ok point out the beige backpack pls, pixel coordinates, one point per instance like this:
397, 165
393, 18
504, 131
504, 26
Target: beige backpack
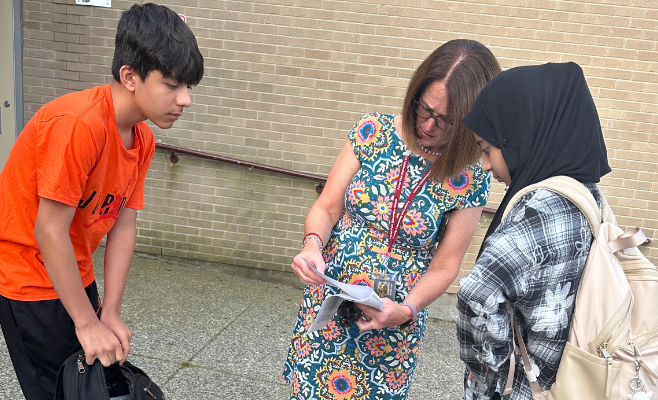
612, 351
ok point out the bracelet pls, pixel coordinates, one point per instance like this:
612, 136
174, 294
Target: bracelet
414, 313
314, 236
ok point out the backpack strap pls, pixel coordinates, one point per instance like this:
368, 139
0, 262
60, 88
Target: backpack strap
631, 238
512, 356
527, 364
579, 195
608, 215
573, 190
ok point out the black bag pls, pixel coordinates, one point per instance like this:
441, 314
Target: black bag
78, 381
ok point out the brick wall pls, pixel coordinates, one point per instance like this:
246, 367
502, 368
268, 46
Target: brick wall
286, 79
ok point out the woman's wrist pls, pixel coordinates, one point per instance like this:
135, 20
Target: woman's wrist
414, 313
311, 236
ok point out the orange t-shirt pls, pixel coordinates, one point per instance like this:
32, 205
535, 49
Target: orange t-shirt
70, 152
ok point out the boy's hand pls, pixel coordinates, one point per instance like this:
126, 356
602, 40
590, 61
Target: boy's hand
99, 342
121, 331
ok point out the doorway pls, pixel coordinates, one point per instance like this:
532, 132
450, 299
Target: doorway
11, 75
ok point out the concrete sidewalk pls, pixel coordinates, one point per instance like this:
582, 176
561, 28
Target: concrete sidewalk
201, 331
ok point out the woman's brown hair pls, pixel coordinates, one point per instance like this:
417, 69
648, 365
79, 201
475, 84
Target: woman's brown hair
465, 67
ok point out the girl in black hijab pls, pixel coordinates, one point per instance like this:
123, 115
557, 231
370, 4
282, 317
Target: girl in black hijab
532, 123
544, 121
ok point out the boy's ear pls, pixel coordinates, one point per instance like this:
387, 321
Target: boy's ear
128, 77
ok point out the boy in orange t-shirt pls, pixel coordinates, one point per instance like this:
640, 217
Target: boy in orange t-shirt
75, 174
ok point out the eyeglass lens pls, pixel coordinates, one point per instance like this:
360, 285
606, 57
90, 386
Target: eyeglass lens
427, 114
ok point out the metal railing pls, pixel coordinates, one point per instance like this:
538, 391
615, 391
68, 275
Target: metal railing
320, 179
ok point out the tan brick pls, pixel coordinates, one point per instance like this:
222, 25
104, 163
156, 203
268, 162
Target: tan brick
31, 5
38, 16
633, 12
53, 27
626, 33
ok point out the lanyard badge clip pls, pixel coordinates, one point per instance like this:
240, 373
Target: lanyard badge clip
384, 285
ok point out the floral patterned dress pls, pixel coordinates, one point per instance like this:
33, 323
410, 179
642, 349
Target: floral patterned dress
343, 363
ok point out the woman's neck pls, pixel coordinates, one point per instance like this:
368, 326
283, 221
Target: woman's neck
397, 122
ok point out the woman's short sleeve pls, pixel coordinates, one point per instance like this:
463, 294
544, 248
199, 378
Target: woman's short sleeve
470, 188
366, 135
480, 188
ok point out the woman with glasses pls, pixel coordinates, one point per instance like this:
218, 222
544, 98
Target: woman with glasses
376, 223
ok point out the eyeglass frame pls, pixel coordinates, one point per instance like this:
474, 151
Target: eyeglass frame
435, 117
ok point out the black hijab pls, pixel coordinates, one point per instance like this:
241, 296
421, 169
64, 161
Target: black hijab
544, 120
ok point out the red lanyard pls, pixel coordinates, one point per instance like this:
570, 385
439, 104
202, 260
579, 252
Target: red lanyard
396, 218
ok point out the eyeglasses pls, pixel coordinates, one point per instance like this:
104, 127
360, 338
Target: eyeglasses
426, 113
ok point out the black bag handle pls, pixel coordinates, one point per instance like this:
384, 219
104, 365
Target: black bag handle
78, 381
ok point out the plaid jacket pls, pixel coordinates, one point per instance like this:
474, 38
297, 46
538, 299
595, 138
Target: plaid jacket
535, 260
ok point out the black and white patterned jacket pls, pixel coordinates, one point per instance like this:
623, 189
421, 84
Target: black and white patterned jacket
535, 260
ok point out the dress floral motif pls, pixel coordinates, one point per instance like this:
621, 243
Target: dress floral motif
343, 363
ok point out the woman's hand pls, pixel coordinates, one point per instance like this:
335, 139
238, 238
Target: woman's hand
314, 256
392, 314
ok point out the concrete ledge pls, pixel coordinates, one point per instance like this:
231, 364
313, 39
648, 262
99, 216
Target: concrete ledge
266, 275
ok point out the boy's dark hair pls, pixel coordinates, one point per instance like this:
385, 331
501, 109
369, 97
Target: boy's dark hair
152, 37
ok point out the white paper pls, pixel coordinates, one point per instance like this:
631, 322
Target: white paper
327, 311
357, 293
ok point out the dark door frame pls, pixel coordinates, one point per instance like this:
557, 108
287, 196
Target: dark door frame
17, 22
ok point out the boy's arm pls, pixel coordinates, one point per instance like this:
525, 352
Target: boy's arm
52, 233
119, 249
